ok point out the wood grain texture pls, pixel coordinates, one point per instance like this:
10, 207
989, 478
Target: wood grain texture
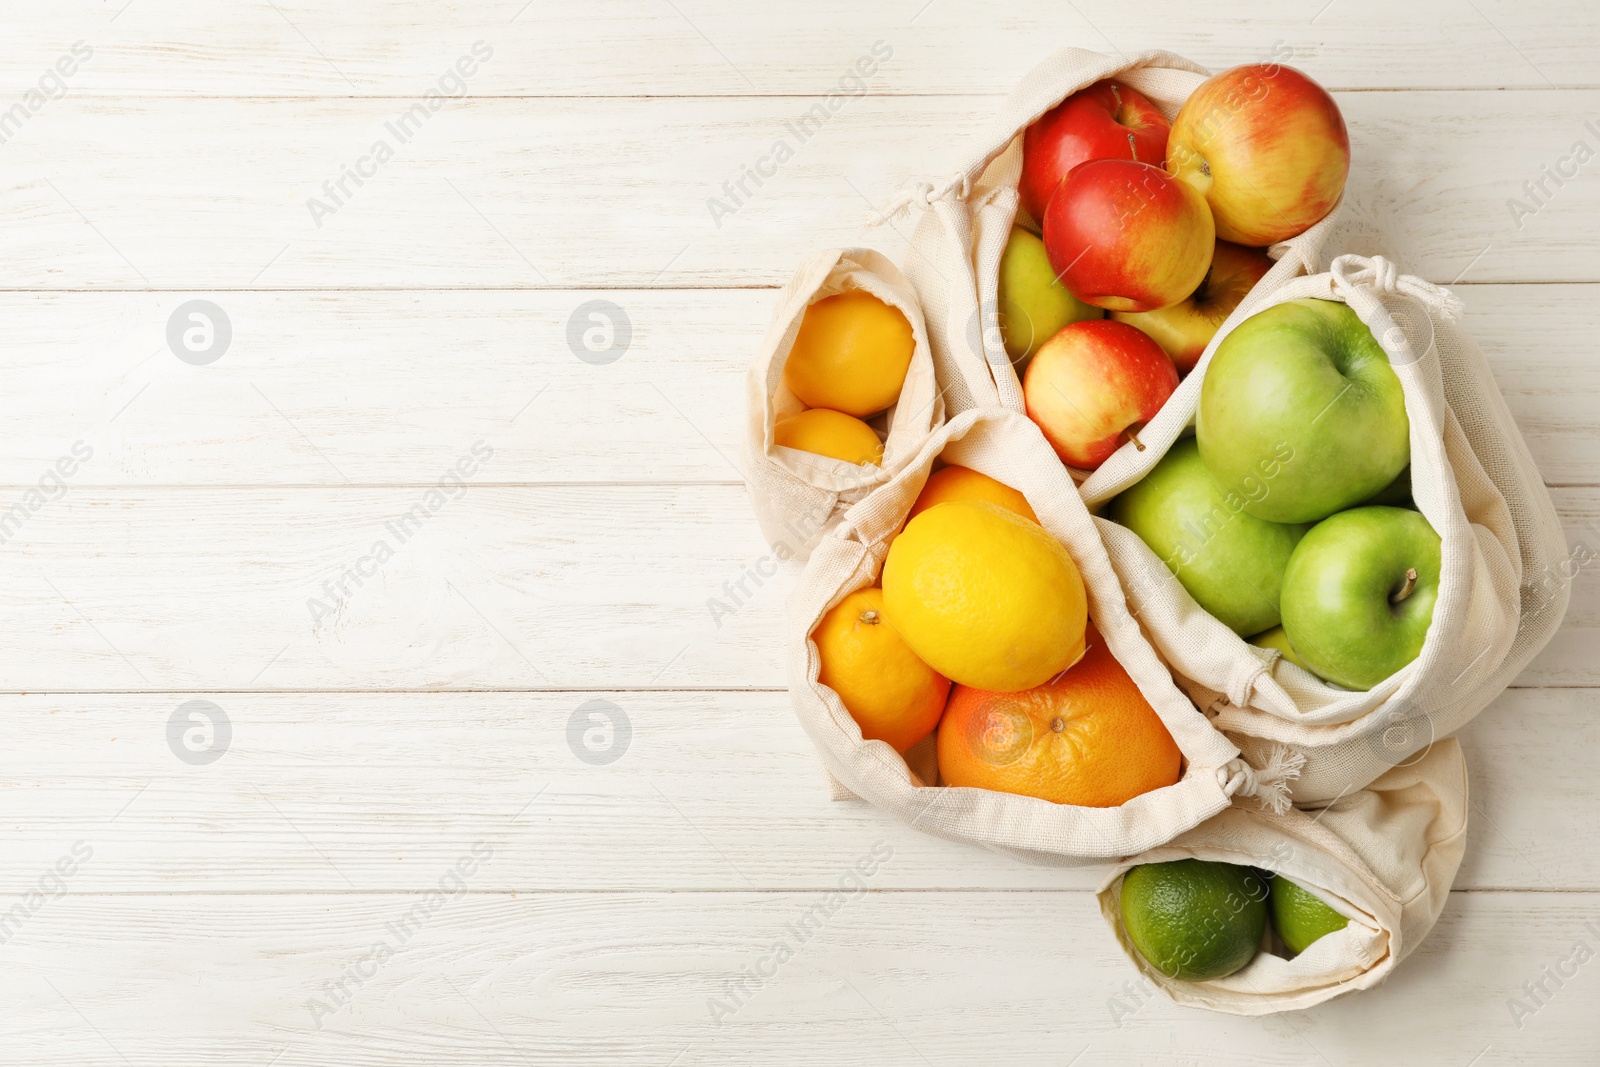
641, 47
562, 587
704, 791
572, 587
889, 979
603, 193
377, 344
385, 387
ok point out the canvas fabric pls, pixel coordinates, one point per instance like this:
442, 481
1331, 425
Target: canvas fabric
1383, 857
798, 495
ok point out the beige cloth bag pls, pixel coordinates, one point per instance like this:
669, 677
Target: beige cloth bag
1008, 447
956, 248
798, 495
1474, 481
1383, 856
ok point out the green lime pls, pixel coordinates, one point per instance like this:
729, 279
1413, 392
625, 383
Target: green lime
1299, 917
1192, 919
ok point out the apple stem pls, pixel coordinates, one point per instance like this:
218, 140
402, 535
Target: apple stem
1131, 436
870, 616
1406, 590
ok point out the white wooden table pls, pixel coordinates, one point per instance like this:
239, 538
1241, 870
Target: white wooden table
404, 848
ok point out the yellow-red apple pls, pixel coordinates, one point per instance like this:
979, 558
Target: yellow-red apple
1126, 236
1268, 148
1093, 385
1184, 329
1107, 120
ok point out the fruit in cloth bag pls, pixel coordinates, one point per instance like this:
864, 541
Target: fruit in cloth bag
985, 597
1351, 890
1127, 237
1033, 304
1231, 562
1088, 737
1106, 120
1195, 920
830, 433
1300, 916
1267, 147
851, 354
1301, 414
892, 694
1359, 594
1184, 329
1093, 386
956, 482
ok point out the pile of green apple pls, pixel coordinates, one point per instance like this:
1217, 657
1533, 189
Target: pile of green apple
1287, 515
1137, 237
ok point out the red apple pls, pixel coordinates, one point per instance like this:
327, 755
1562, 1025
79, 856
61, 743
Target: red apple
1126, 236
1093, 385
1184, 329
1107, 120
1268, 148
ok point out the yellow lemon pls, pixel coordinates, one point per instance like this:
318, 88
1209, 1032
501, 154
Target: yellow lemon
985, 597
851, 354
964, 483
892, 694
829, 433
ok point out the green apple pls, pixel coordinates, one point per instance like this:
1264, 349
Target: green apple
1397, 494
1359, 592
1301, 414
1231, 562
1033, 304
1276, 638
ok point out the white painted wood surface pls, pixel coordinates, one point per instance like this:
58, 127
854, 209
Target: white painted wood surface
576, 193
427, 711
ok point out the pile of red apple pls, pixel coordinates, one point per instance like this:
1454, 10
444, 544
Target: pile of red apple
1163, 226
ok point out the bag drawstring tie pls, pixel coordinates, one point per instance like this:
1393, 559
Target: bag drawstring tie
1270, 784
921, 195
1356, 277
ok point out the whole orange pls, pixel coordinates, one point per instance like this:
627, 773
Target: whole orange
829, 433
963, 483
892, 695
851, 354
1087, 738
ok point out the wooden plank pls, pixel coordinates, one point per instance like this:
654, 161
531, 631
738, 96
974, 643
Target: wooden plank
380, 387
571, 587
481, 586
684, 791
885, 979
591, 193
692, 46
385, 387
1569, 659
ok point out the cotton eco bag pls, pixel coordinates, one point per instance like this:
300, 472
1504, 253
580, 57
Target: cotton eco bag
1008, 447
1383, 857
799, 495
956, 247
1471, 477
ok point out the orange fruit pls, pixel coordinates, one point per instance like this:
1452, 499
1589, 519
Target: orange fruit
984, 596
964, 483
892, 695
851, 354
1087, 738
830, 433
